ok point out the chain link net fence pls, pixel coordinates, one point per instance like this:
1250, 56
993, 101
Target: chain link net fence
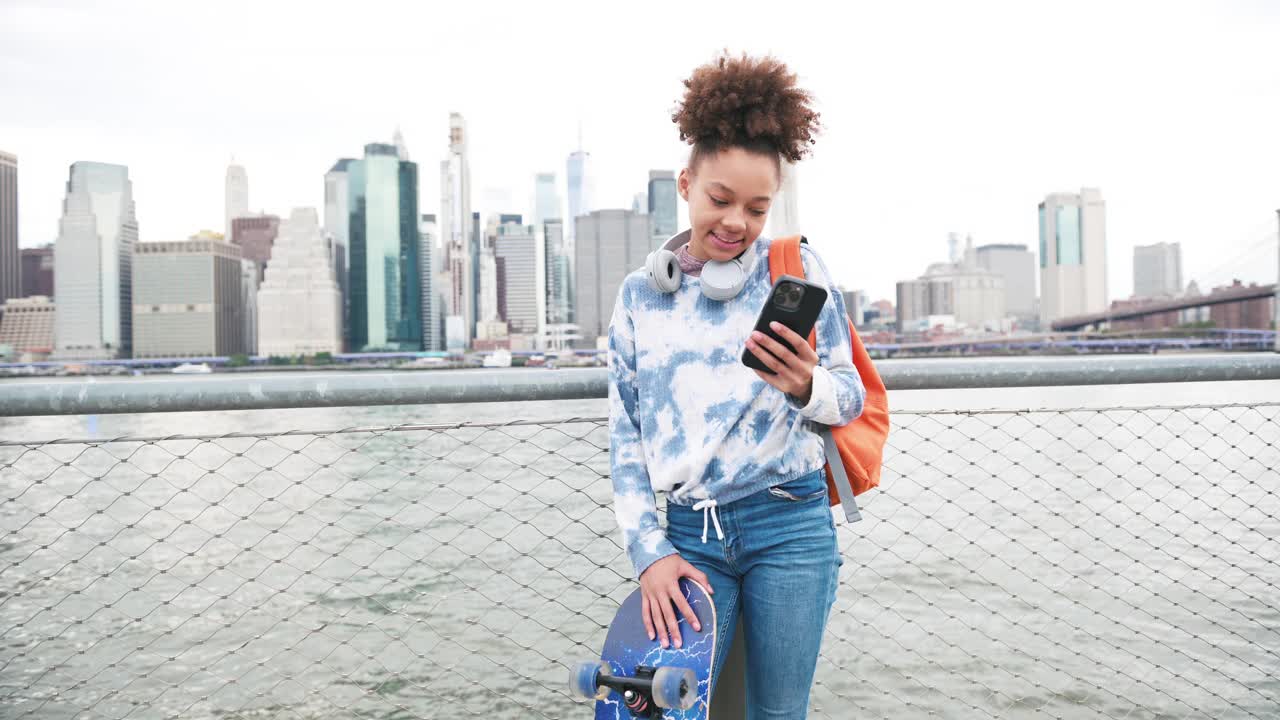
1114, 563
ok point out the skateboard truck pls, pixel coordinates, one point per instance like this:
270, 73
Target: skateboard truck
637, 692
644, 694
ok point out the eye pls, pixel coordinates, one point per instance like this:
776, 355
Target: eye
757, 213
717, 201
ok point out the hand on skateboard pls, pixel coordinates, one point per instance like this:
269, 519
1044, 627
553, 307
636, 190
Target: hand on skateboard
661, 598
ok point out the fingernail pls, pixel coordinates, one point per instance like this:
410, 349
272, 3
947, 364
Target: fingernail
650, 636
697, 627
775, 325
678, 643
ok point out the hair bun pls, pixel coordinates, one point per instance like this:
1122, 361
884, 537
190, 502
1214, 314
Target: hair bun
747, 102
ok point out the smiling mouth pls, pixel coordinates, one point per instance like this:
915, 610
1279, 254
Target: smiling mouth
722, 239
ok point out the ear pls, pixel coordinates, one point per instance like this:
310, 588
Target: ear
682, 183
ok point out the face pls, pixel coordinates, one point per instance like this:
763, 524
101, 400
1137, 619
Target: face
729, 194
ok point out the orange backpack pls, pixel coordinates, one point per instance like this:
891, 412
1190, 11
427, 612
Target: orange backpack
854, 451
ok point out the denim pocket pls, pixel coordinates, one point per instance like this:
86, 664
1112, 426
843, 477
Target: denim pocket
803, 489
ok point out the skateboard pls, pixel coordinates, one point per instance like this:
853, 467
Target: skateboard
636, 677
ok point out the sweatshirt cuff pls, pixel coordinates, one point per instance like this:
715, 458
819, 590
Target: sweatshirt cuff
648, 549
821, 407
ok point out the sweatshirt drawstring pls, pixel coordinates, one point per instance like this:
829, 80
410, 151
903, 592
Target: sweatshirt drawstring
708, 507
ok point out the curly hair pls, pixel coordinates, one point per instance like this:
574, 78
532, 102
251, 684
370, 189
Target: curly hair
749, 103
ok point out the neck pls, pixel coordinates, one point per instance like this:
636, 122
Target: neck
696, 250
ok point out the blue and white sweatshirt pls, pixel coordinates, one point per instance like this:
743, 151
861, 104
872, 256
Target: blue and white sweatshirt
684, 411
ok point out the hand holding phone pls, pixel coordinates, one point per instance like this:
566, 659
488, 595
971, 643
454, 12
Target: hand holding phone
778, 349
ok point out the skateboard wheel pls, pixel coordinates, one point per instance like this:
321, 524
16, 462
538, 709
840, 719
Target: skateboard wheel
585, 680
675, 687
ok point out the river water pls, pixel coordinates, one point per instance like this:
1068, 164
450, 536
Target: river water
1031, 553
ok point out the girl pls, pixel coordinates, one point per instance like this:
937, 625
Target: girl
731, 445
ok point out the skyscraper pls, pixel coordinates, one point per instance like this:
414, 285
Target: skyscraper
611, 243
255, 234
581, 186
515, 252
299, 305
427, 270
37, 271
475, 251
1073, 255
402, 150
662, 202
187, 298
250, 279
1157, 270
458, 233
236, 196
580, 183
386, 290
10, 272
546, 199
487, 275
559, 282
94, 257
1017, 265
487, 309
337, 215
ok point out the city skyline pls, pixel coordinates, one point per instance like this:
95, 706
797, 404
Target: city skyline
938, 143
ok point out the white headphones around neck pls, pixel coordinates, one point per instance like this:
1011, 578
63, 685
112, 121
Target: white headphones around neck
719, 280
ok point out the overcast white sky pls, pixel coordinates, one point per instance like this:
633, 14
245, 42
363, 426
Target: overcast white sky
940, 116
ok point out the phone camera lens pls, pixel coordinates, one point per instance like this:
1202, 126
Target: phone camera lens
788, 295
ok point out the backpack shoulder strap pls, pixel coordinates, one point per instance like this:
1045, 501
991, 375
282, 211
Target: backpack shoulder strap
785, 259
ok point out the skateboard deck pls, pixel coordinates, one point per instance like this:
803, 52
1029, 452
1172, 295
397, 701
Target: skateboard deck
629, 652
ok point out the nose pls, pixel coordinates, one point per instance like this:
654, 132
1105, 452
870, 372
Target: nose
734, 221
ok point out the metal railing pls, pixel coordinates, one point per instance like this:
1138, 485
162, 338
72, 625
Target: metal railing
1115, 562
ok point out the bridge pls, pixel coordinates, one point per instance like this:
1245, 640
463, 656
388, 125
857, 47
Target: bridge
1080, 343
1219, 297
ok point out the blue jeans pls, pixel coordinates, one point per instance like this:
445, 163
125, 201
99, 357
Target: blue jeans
778, 564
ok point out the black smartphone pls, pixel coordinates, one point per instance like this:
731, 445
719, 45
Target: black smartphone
794, 302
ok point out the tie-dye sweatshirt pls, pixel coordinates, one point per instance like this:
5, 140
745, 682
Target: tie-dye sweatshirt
684, 411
